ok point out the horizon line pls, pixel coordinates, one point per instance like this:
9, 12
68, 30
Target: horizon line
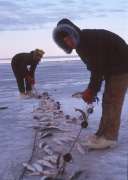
49, 57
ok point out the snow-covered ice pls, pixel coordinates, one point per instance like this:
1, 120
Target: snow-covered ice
60, 80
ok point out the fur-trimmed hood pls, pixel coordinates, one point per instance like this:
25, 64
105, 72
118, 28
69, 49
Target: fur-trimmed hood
66, 27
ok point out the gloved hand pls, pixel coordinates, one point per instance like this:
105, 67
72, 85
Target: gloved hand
88, 96
30, 79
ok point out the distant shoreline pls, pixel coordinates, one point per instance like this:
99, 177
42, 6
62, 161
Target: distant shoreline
47, 58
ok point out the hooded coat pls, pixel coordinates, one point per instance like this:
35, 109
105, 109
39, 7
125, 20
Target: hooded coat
104, 53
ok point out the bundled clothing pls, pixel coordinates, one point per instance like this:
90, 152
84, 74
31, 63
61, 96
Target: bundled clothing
23, 65
106, 57
104, 53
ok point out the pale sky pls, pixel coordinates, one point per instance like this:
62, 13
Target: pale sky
28, 24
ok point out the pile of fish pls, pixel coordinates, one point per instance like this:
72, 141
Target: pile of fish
56, 133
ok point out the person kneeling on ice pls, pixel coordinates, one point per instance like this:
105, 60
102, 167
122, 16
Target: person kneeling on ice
106, 57
23, 66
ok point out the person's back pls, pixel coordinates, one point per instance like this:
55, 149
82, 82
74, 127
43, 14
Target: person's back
23, 59
110, 52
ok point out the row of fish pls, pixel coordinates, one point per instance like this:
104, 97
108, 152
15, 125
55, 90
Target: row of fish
56, 133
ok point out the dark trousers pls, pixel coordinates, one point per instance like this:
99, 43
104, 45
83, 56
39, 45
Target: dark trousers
23, 84
113, 98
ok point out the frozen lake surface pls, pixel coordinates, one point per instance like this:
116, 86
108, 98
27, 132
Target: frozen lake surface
61, 80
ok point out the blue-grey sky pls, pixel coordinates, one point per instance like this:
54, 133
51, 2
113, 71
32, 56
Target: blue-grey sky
28, 24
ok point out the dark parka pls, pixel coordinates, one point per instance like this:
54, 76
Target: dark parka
104, 53
20, 63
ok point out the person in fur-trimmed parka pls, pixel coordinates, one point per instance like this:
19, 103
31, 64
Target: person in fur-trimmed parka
106, 57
